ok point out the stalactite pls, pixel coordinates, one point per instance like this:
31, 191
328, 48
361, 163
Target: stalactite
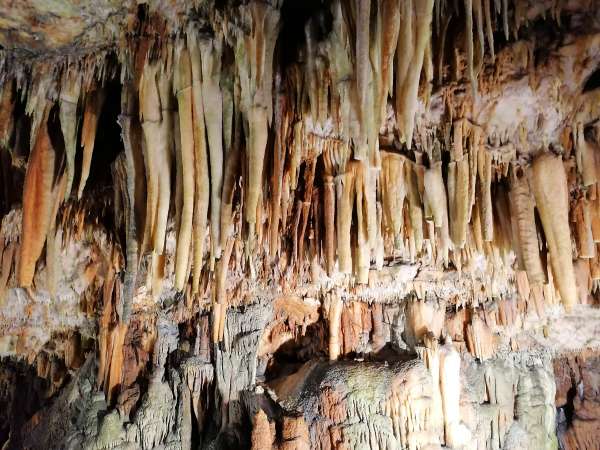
414, 205
58, 192
304, 169
93, 105
585, 156
69, 97
131, 135
469, 44
522, 211
344, 201
458, 193
393, 192
309, 175
219, 293
404, 55
477, 10
7, 104
407, 91
329, 209
157, 122
363, 14
8, 255
487, 9
150, 116
201, 161
157, 274
232, 165
480, 340
280, 125
256, 94
362, 255
391, 19
164, 159
552, 200
36, 101
505, 18
586, 247
211, 52
183, 88
37, 202
436, 203
484, 171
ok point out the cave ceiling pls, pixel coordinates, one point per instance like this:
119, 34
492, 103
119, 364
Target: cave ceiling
289, 224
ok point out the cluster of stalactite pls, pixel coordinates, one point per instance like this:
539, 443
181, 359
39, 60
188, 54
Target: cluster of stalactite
279, 172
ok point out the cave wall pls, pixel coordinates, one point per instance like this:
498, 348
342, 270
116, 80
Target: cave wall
277, 224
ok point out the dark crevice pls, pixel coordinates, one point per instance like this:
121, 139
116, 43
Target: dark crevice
107, 144
592, 82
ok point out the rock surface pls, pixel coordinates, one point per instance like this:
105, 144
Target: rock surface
288, 225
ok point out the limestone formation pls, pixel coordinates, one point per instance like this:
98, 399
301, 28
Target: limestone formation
282, 224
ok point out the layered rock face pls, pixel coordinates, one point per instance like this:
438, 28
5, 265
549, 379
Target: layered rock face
274, 224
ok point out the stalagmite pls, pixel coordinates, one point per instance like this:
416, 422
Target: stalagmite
552, 200
456, 434
93, 105
334, 316
431, 358
263, 432
295, 434
69, 97
37, 202
183, 87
